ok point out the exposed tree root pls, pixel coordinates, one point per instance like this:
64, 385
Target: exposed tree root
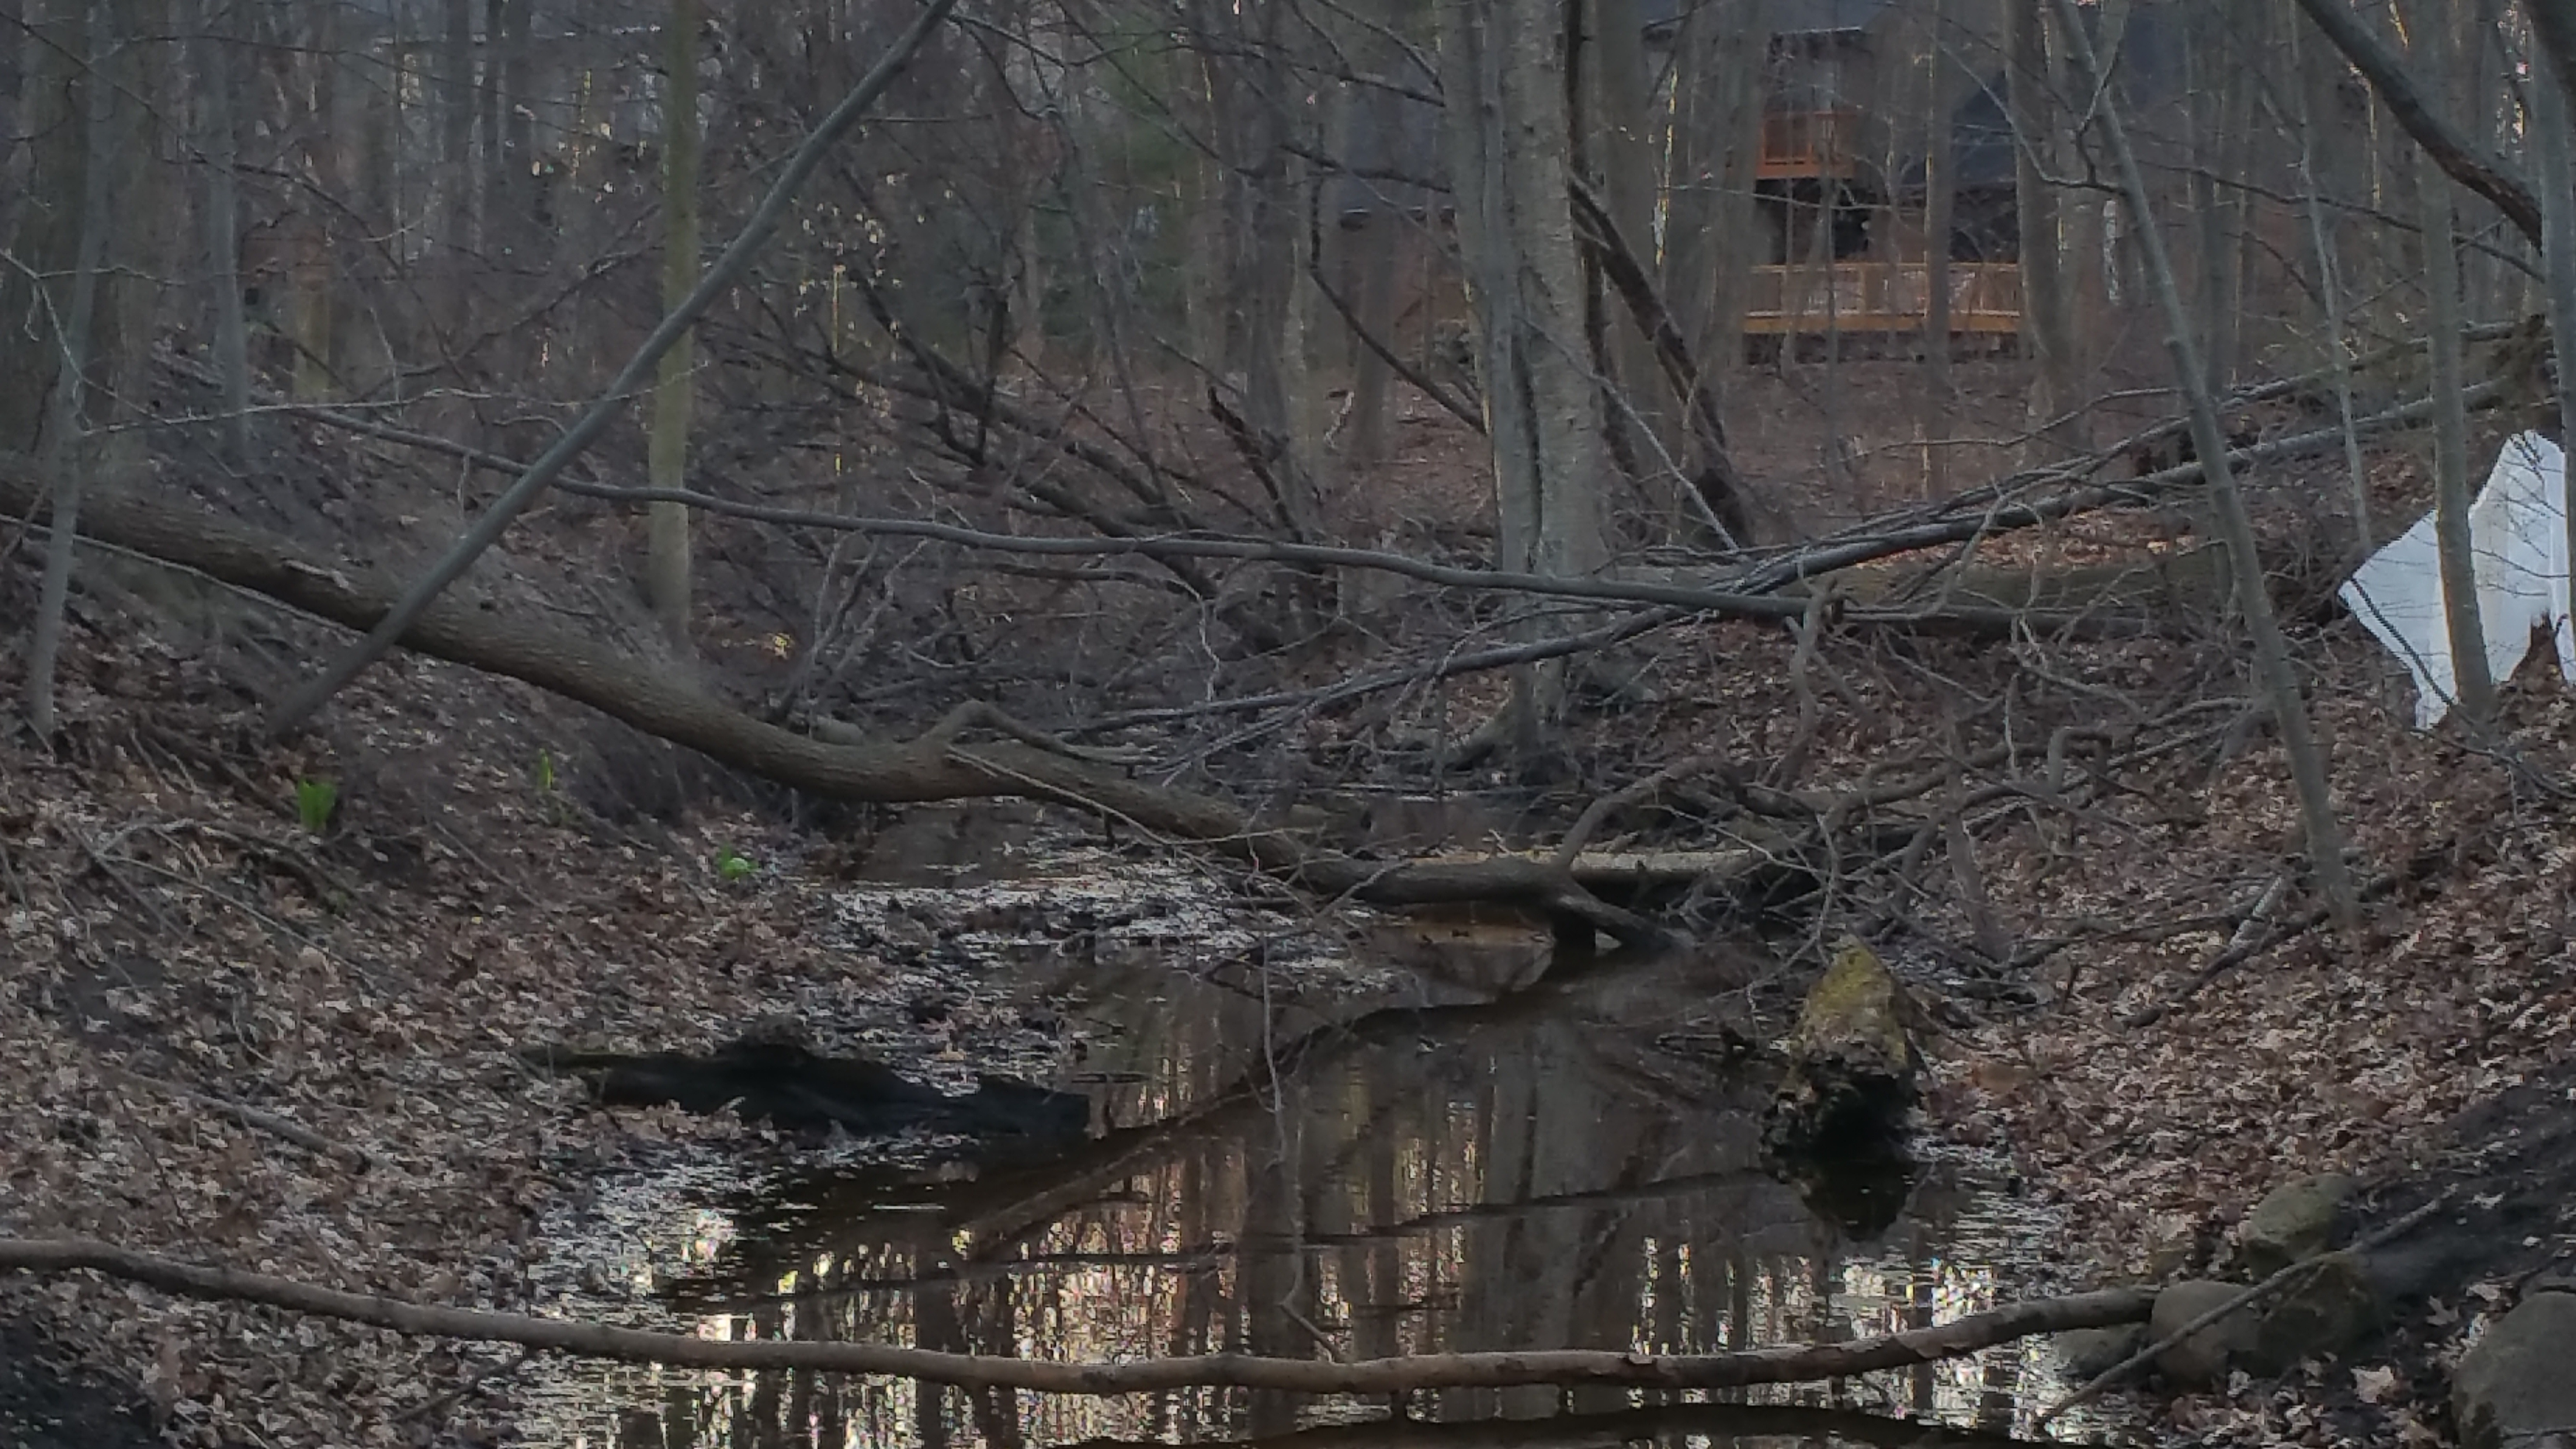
1784, 1363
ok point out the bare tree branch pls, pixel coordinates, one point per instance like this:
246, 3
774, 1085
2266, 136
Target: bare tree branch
1784, 1363
2452, 149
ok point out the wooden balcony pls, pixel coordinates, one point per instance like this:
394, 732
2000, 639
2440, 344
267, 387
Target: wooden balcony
1985, 297
1808, 143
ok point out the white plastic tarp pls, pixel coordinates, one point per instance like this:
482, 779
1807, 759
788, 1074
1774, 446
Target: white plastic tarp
2518, 536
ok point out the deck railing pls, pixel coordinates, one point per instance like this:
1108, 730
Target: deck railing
1985, 297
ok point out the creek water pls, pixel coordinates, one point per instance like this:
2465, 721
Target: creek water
1402, 1139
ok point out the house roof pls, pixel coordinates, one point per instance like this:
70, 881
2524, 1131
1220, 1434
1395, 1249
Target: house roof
2145, 70
1823, 17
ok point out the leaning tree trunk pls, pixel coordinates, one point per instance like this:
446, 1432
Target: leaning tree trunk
1503, 81
216, 89
2278, 678
666, 570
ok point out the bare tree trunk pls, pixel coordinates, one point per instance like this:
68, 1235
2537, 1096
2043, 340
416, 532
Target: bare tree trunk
369, 357
1503, 80
1716, 135
1938, 202
1616, 157
2279, 680
2553, 24
1709, 248
2451, 489
1206, 202
666, 570
2552, 148
1372, 249
1251, 85
315, 273
47, 239
452, 198
514, 239
2218, 143
68, 329
215, 84
2047, 328
2330, 293
1373, 243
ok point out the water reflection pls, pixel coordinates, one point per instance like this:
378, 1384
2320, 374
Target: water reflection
1413, 1173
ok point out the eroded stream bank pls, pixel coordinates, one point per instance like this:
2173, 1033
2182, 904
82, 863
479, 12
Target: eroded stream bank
1346, 1139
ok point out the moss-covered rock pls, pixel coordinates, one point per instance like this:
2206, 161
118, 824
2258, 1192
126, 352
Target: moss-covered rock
1854, 1071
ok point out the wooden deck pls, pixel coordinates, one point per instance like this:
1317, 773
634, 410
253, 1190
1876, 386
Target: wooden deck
1808, 143
1985, 297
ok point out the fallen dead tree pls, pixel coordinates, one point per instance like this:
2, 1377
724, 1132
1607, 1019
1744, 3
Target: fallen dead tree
943, 763
1784, 1363
2060, 492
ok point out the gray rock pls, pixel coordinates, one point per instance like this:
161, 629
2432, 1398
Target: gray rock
2555, 1280
2334, 1306
2513, 1386
2093, 1351
2202, 1360
2296, 1220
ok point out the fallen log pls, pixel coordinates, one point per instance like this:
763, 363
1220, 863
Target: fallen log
937, 765
1657, 1424
1784, 1363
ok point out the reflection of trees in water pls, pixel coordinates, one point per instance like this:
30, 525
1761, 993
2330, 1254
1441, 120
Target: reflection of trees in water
1527, 1172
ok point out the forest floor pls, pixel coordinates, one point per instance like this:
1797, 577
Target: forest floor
174, 931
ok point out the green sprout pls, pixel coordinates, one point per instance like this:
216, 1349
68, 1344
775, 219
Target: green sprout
315, 800
732, 865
